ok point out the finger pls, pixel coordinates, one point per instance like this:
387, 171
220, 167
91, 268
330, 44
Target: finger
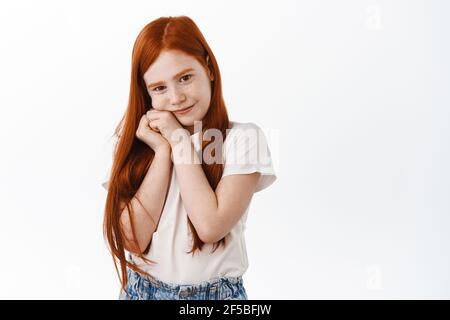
153, 125
152, 115
143, 121
144, 118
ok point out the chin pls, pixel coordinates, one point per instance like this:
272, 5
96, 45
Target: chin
185, 122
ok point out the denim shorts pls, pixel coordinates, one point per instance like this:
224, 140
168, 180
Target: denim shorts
142, 287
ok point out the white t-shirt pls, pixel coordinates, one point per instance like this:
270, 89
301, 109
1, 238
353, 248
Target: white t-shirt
245, 150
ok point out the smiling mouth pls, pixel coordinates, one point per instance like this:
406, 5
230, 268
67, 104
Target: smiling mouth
185, 110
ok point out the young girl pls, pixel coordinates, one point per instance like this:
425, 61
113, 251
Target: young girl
183, 175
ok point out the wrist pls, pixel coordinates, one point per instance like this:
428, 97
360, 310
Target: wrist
163, 151
179, 136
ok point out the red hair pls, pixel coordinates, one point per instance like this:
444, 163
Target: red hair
132, 158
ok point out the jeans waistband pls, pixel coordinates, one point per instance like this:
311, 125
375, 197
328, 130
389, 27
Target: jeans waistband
204, 285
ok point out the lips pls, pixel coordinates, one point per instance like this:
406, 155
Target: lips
186, 110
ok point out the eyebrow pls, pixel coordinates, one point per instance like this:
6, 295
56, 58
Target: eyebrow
174, 77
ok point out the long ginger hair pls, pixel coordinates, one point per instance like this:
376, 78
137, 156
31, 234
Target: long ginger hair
132, 158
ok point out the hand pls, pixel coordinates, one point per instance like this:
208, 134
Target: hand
166, 123
150, 137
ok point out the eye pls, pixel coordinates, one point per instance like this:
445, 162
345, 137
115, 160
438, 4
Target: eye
157, 88
187, 75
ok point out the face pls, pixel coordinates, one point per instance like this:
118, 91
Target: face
176, 81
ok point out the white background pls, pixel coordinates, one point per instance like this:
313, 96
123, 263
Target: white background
357, 91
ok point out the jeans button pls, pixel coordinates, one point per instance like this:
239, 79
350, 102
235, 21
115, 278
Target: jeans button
183, 293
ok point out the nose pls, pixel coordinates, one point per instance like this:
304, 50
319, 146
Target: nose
176, 97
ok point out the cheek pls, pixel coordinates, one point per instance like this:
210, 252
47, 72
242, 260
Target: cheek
202, 109
157, 103
157, 106
198, 89
205, 91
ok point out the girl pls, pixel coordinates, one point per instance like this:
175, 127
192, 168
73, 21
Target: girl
178, 200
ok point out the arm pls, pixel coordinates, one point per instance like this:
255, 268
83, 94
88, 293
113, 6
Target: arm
213, 214
151, 195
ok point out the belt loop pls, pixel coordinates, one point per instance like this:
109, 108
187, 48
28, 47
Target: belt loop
213, 290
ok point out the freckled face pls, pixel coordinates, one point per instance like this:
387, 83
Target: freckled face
176, 81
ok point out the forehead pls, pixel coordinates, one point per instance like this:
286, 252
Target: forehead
168, 64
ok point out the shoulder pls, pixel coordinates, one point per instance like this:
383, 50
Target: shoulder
244, 139
247, 151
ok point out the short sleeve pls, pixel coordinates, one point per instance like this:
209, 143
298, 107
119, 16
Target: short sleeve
246, 151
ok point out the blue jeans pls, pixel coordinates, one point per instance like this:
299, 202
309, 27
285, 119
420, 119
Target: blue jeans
140, 287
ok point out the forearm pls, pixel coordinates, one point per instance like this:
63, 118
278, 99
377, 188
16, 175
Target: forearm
199, 199
148, 201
